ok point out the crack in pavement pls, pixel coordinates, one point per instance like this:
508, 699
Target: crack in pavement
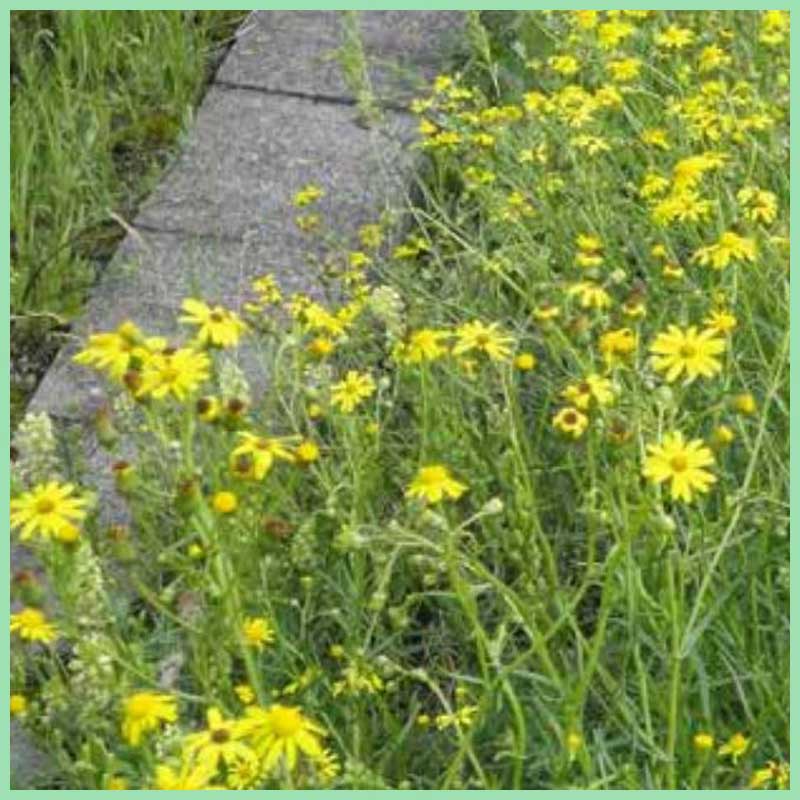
332, 99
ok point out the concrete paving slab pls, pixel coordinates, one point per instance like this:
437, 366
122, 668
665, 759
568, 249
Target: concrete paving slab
250, 152
294, 51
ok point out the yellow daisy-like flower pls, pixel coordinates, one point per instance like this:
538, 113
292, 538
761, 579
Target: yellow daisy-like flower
307, 452
525, 362
488, 339
571, 421
677, 351
309, 194
624, 69
615, 345
735, 747
224, 502
32, 625
674, 38
546, 312
217, 326
721, 321
564, 65
434, 483
774, 774
592, 388
352, 391
188, 777
759, 204
282, 733
730, 247
258, 454
245, 693
48, 510
117, 351
702, 741
681, 463
218, 744
590, 294
146, 711
257, 632
422, 345
174, 372
17, 705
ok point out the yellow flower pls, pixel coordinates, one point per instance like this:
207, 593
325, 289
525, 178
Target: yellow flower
735, 747
488, 339
461, 718
525, 362
208, 408
258, 454
703, 741
674, 38
616, 344
434, 483
730, 247
653, 184
564, 65
307, 195
610, 34
320, 347
266, 287
218, 744
176, 372
655, 137
422, 345
546, 312
760, 205
225, 502
677, 351
189, 777
119, 350
244, 774
681, 463
32, 626
116, 783
712, 57
17, 705
592, 388
591, 295
672, 272
722, 436
773, 774
217, 326
721, 321
307, 452
350, 392
281, 733
145, 711
571, 421
624, 69
683, 206
245, 693
745, 404
48, 510
584, 18
573, 743
257, 632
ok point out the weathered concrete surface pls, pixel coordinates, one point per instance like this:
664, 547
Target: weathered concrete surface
278, 116
294, 51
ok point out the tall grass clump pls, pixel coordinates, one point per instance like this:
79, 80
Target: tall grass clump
512, 510
98, 101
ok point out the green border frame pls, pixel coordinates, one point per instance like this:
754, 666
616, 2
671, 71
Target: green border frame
363, 5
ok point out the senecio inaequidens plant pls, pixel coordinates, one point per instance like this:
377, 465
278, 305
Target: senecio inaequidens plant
511, 510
